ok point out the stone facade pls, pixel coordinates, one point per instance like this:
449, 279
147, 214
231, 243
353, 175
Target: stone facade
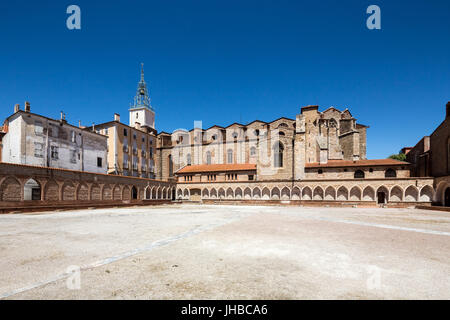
280, 148
33, 139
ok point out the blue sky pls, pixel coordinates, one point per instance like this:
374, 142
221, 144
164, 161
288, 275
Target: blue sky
232, 61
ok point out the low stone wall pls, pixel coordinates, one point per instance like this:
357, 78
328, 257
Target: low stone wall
387, 191
23, 186
39, 206
313, 203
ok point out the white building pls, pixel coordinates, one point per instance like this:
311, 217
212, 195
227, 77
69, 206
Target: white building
33, 139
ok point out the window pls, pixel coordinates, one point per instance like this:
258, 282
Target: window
189, 159
38, 128
208, 157
54, 129
143, 139
72, 136
38, 150
390, 173
359, 174
54, 152
320, 171
253, 151
134, 136
371, 170
99, 162
250, 177
214, 137
281, 133
278, 155
73, 156
151, 152
125, 132
230, 156
234, 135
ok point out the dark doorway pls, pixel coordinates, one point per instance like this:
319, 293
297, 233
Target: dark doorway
134, 193
447, 197
381, 198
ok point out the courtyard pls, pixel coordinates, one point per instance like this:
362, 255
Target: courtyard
189, 251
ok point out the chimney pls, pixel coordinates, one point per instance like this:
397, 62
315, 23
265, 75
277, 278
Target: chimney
27, 106
79, 123
117, 117
93, 126
16, 107
62, 116
448, 110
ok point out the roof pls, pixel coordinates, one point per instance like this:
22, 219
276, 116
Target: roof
55, 120
217, 168
358, 163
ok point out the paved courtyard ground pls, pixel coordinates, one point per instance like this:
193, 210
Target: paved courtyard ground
226, 252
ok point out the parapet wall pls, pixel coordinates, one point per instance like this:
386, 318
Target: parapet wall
31, 186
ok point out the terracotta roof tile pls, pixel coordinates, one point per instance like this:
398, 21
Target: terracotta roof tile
217, 168
357, 163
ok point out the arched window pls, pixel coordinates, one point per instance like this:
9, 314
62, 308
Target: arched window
390, 173
333, 123
189, 160
253, 151
281, 133
208, 157
230, 156
170, 166
359, 174
283, 125
278, 155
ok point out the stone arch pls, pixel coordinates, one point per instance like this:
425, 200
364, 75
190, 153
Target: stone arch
51, 191
275, 194
147, 193
68, 191
186, 194
117, 193
134, 193
296, 193
95, 193
396, 194
247, 193
265, 194
318, 193
306, 193
82, 192
126, 193
368, 194
330, 193
32, 190
342, 194
285, 193
380, 197
107, 192
230, 193
213, 193
411, 194
439, 195
179, 194
205, 193
426, 193
159, 193
355, 194
221, 193
238, 193
256, 194
11, 190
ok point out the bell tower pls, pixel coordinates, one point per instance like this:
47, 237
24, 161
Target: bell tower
141, 111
